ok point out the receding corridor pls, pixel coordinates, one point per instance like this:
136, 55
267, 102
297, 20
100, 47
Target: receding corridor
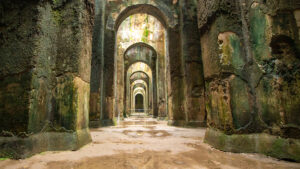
149, 84
145, 143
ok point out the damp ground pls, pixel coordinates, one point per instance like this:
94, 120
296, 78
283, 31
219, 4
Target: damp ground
145, 143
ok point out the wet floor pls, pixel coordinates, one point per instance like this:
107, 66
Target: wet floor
144, 143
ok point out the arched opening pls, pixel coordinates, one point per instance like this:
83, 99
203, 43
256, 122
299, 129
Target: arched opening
140, 27
141, 55
139, 103
144, 9
139, 78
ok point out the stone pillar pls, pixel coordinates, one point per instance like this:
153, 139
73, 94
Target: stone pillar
49, 80
178, 117
192, 65
109, 70
97, 96
161, 82
154, 105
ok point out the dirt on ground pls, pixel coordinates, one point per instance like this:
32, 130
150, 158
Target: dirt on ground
147, 146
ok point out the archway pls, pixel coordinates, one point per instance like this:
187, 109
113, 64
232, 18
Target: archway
139, 76
139, 103
138, 42
168, 45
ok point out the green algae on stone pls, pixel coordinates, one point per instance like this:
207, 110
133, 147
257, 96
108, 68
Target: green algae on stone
258, 33
273, 146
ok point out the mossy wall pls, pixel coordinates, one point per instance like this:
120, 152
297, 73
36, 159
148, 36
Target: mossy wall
276, 54
46, 70
265, 71
250, 52
18, 36
227, 92
64, 55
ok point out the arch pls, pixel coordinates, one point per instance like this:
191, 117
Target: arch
147, 86
138, 72
139, 75
138, 81
139, 91
139, 85
167, 18
140, 44
157, 9
133, 71
140, 62
139, 101
140, 52
142, 85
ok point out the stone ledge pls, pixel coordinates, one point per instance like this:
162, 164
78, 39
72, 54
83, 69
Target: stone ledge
15, 147
274, 146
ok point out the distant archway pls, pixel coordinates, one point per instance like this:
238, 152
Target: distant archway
139, 103
161, 73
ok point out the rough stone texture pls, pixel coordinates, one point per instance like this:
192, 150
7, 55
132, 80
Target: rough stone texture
209, 10
227, 93
108, 78
287, 149
17, 45
278, 89
177, 114
50, 89
192, 65
251, 65
97, 65
231, 63
16, 147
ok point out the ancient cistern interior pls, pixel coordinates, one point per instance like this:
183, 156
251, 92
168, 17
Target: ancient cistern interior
150, 84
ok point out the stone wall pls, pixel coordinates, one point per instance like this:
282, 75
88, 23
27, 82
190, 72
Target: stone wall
250, 57
46, 70
18, 39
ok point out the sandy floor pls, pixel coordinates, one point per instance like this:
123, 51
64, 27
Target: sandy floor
147, 145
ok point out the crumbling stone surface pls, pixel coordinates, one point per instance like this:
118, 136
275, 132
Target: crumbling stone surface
231, 64
209, 10
45, 74
17, 45
252, 77
287, 149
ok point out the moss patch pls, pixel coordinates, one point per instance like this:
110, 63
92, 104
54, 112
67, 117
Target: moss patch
273, 146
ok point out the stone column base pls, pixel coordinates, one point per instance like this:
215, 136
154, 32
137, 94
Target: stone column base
274, 146
101, 123
162, 118
196, 124
178, 123
183, 123
16, 147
